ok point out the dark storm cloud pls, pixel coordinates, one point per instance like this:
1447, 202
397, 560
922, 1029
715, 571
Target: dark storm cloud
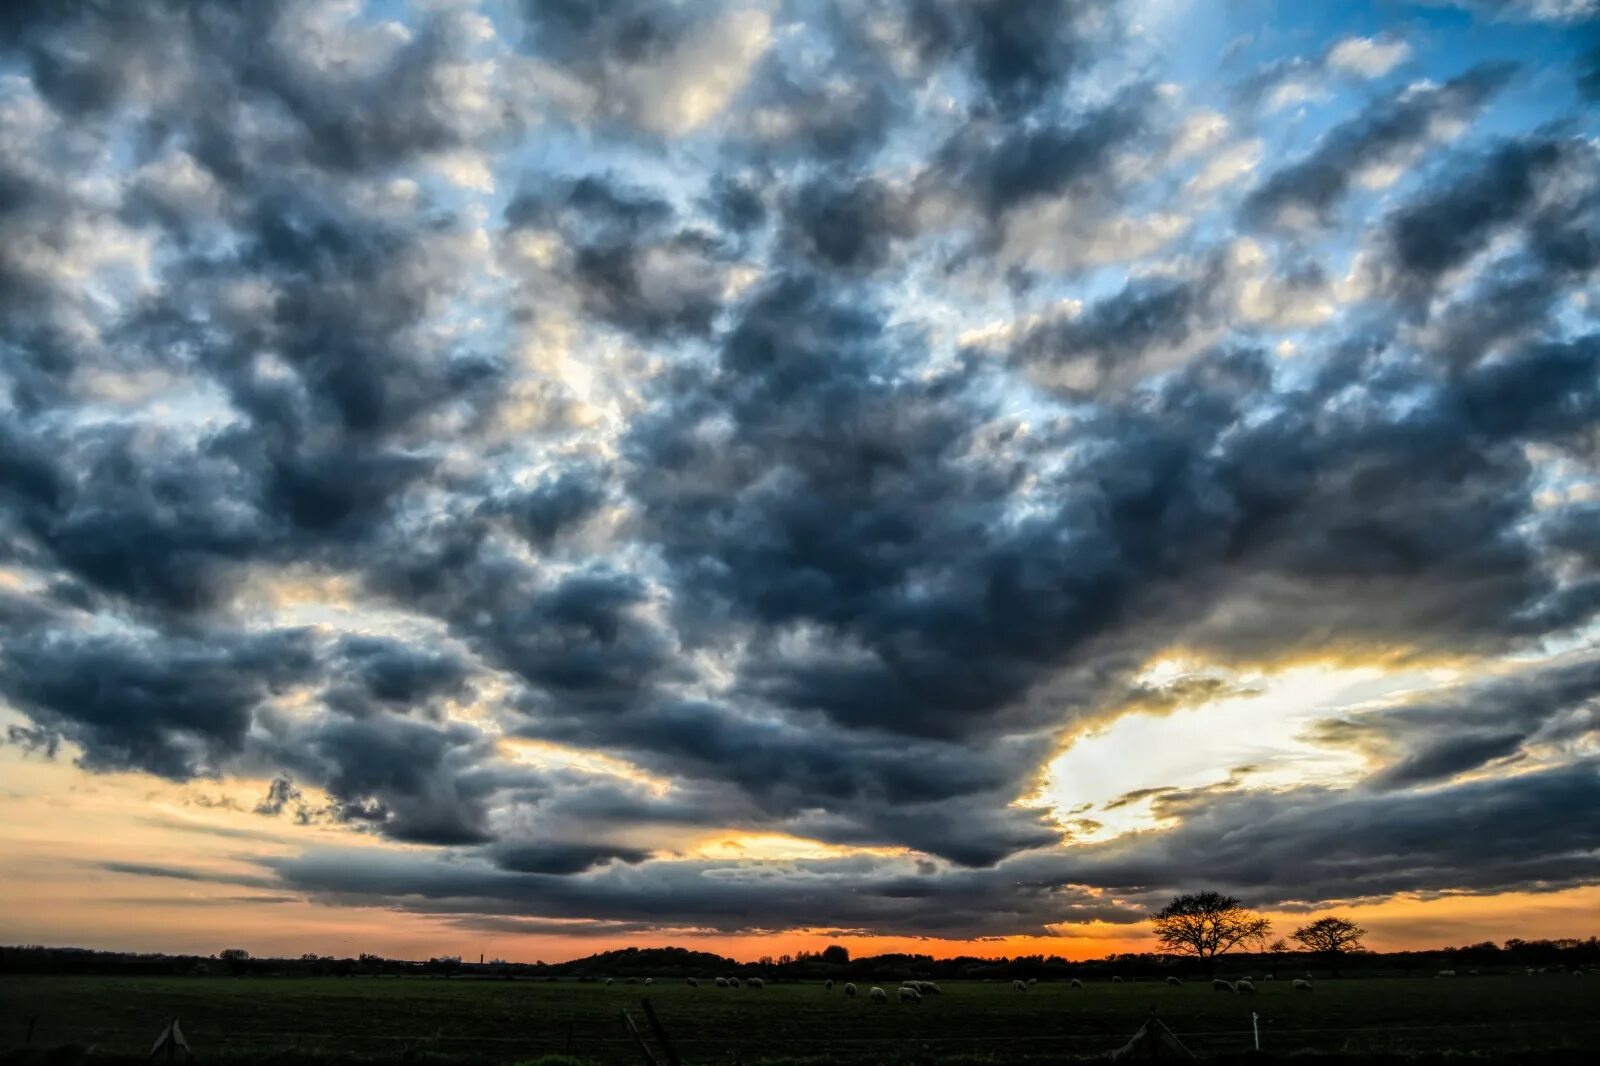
1455, 731
631, 262
1316, 845
562, 857
1391, 131
1020, 52
1302, 846
1003, 165
847, 225
174, 707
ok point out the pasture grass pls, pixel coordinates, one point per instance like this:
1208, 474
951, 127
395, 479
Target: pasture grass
465, 1022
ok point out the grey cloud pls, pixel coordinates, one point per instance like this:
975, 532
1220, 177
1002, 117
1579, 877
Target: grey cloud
1389, 131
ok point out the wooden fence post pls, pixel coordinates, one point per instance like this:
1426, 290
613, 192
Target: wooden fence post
661, 1033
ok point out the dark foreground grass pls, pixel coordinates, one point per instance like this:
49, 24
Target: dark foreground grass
96, 1021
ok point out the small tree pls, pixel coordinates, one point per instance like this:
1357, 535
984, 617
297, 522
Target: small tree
836, 953
1330, 937
1207, 924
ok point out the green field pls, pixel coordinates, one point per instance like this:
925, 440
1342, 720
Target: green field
509, 1021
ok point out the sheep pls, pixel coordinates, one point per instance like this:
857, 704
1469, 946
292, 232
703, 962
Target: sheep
733, 982
877, 995
649, 980
1267, 978
1445, 973
1301, 985
1018, 986
691, 982
1174, 982
1076, 983
1245, 987
909, 994
722, 982
827, 986
1219, 985
1116, 980
756, 983
631, 981
927, 988
850, 989
1032, 981
610, 981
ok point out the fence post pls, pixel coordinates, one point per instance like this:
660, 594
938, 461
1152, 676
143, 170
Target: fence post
1255, 1030
661, 1033
644, 1049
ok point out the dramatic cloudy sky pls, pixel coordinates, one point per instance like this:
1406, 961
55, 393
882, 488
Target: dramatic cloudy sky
531, 477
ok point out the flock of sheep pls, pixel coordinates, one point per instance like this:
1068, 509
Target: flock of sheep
914, 991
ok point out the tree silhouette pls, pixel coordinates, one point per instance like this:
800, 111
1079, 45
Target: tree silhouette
1207, 924
836, 953
1331, 937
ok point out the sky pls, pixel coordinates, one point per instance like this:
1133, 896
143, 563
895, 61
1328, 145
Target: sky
527, 478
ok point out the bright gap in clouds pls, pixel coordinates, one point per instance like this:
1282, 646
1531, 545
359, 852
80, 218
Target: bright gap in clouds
1100, 786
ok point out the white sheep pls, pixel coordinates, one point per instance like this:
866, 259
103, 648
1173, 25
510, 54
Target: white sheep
755, 982
610, 981
1174, 982
722, 982
1301, 985
850, 989
1076, 983
827, 986
631, 981
1116, 980
733, 982
1219, 985
909, 994
649, 980
691, 982
878, 995
927, 988
1245, 987
1445, 973
1032, 981
1267, 978
1018, 986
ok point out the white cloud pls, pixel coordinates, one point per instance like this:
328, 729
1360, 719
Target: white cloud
1368, 57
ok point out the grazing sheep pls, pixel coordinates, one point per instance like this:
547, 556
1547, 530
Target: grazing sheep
755, 982
1267, 978
631, 981
610, 981
649, 980
1245, 987
1076, 983
1174, 982
722, 982
1301, 985
1032, 981
1116, 980
850, 989
733, 982
1445, 973
1219, 985
827, 986
691, 982
1018, 986
927, 988
877, 995
909, 994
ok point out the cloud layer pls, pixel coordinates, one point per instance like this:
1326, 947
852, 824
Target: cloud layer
561, 435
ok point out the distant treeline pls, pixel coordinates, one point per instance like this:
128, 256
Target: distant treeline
834, 962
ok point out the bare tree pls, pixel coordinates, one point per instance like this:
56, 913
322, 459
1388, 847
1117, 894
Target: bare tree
1207, 924
1330, 937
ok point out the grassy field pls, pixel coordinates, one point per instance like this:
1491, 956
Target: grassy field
510, 1021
